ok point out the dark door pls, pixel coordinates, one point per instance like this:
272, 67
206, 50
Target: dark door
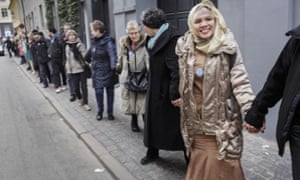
177, 11
100, 12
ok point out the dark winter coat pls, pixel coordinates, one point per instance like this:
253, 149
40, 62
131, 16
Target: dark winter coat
283, 82
103, 57
40, 49
8, 44
55, 50
162, 122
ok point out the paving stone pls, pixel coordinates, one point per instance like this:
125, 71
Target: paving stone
259, 162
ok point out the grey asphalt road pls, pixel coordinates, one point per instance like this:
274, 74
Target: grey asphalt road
35, 144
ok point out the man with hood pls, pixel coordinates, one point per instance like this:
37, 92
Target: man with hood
283, 82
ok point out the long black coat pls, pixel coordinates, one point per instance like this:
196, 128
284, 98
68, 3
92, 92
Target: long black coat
283, 82
103, 57
162, 122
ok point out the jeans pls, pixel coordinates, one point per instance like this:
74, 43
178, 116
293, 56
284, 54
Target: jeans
295, 151
9, 51
44, 69
58, 73
110, 99
71, 85
80, 82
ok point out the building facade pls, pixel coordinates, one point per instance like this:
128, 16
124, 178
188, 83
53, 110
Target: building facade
6, 27
34, 14
16, 15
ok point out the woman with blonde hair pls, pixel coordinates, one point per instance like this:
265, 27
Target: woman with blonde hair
215, 93
134, 58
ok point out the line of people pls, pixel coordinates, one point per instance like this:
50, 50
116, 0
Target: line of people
198, 92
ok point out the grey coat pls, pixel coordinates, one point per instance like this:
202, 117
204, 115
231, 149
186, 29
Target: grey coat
132, 102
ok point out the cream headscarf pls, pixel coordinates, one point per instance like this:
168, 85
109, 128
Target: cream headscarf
208, 46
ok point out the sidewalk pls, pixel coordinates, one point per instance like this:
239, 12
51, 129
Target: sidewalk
120, 150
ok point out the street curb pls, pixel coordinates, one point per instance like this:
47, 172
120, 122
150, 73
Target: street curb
113, 166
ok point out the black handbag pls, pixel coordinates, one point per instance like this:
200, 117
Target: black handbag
136, 81
87, 70
86, 67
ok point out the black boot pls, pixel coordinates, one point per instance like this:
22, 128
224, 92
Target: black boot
134, 123
151, 156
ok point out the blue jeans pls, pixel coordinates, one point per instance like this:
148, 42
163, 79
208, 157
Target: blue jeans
110, 99
295, 150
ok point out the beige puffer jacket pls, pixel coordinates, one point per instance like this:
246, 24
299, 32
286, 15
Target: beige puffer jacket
221, 112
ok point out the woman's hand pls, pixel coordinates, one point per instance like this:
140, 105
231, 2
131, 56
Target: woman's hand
252, 129
176, 102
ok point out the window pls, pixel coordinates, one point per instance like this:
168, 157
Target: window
4, 12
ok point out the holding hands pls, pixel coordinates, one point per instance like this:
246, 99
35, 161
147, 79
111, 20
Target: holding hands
252, 129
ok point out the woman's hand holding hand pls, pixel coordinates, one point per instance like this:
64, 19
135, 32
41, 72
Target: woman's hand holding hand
252, 129
176, 102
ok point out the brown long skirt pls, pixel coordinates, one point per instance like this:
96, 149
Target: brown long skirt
204, 164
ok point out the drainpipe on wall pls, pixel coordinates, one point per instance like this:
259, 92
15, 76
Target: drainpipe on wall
24, 16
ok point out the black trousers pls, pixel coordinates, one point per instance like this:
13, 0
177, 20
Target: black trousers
79, 81
295, 151
59, 73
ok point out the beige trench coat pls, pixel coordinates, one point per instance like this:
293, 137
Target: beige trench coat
132, 102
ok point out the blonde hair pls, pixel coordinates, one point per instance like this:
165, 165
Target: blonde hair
208, 46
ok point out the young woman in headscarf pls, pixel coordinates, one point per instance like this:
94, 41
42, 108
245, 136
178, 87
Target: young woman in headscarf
215, 93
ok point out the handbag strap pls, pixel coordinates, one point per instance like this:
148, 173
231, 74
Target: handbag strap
129, 70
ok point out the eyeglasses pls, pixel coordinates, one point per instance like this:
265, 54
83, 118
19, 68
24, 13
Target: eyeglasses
133, 33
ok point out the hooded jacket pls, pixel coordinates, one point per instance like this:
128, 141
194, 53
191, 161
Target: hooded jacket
283, 82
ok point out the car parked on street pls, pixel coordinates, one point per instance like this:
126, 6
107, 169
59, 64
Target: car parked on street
2, 52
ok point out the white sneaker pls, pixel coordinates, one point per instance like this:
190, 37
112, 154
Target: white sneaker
58, 90
87, 107
80, 102
64, 88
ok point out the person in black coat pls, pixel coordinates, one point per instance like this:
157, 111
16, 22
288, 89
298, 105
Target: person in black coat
283, 82
55, 53
40, 48
162, 118
103, 57
9, 45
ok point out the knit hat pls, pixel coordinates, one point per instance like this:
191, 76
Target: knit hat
153, 18
71, 31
